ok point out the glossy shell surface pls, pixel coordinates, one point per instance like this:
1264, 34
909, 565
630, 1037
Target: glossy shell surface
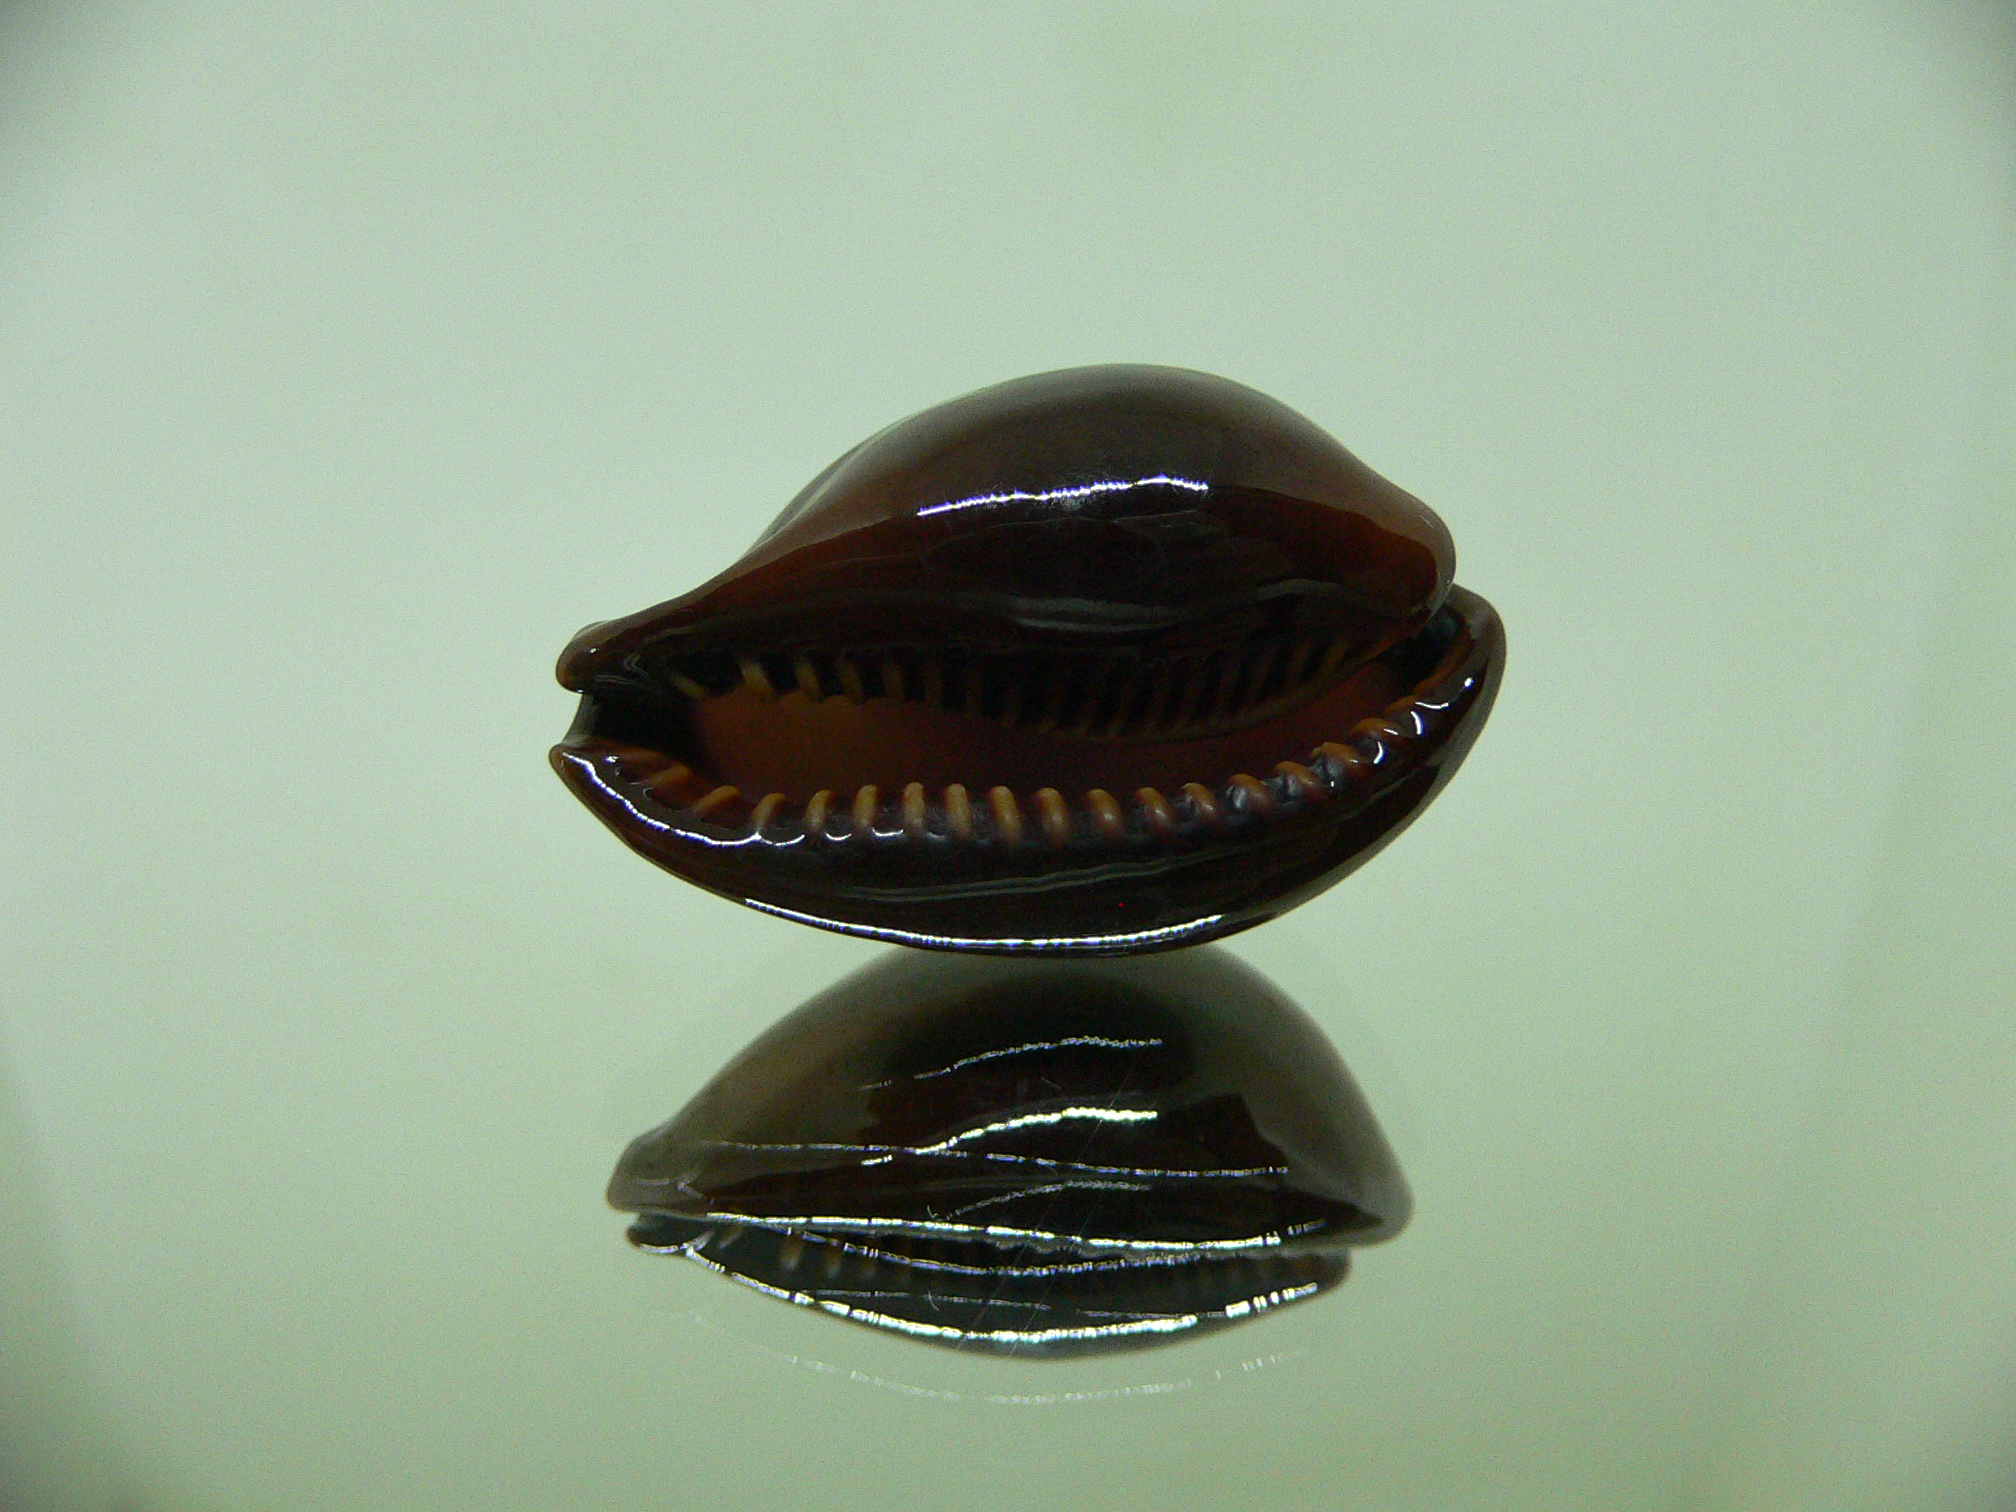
1049, 1157
1098, 661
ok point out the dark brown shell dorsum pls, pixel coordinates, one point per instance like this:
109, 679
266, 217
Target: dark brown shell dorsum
1044, 1158
1098, 661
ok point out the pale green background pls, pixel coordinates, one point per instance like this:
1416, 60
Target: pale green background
352, 356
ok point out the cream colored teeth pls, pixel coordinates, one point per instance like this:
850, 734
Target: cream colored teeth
1053, 816
1006, 814
866, 798
1206, 803
958, 813
1155, 808
913, 810
817, 809
717, 800
1106, 816
754, 678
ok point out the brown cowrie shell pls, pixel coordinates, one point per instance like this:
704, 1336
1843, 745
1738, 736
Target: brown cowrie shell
1118, 580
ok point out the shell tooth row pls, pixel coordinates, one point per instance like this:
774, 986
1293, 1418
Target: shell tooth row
1044, 817
1087, 696
1375, 745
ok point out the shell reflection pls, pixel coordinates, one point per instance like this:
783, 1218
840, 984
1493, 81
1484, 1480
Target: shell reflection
1048, 1158
1098, 661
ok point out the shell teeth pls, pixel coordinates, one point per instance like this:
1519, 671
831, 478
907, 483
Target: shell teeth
1092, 693
1302, 783
1205, 803
1126, 685
1254, 793
1263, 668
1053, 816
1107, 820
958, 813
722, 797
817, 809
1228, 684
1156, 813
850, 679
1162, 709
1194, 684
675, 775
1147, 815
1375, 738
1336, 765
1007, 815
892, 678
1100, 696
866, 798
1011, 699
808, 678
755, 678
1056, 684
1154, 694
1084, 696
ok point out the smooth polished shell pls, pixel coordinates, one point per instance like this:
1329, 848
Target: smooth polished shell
1102, 660
1048, 1157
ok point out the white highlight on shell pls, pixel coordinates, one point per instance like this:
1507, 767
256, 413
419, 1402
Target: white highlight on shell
1064, 495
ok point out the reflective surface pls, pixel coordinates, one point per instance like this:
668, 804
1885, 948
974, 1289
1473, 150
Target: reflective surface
1108, 659
1030, 1157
